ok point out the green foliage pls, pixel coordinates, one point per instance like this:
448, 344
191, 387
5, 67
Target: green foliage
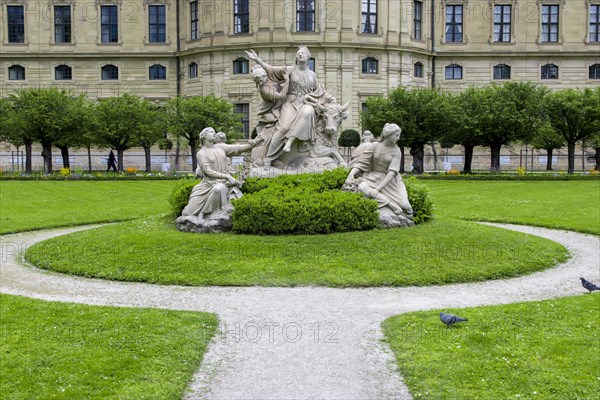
180, 195
545, 349
349, 138
547, 138
72, 351
328, 180
284, 210
420, 199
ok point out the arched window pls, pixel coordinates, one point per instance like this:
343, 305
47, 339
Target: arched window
158, 72
454, 71
418, 73
63, 73
110, 73
16, 73
594, 71
193, 70
501, 71
241, 66
370, 65
549, 71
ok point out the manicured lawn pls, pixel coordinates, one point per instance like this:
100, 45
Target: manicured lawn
571, 205
27, 205
442, 251
67, 351
546, 350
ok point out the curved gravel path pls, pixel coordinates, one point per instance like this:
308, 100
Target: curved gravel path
305, 342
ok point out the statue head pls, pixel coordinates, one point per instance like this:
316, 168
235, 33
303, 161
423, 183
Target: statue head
207, 133
303, 52
389, 130
367, 137
221, 138
259, 75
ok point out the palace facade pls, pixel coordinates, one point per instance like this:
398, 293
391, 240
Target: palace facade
159, 49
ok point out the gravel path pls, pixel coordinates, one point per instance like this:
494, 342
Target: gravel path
306, 342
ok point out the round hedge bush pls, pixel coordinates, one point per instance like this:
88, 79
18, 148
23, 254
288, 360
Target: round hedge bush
180, 195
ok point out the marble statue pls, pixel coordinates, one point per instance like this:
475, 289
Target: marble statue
209, 207
379, 165
367, 138
297, 117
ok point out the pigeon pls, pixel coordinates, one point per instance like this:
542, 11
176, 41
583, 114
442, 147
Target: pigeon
589, 285
450, 319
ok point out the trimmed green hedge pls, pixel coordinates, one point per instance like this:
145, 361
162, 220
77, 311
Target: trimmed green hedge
509, 177
180, 195
419, 198
303, 210
328, 180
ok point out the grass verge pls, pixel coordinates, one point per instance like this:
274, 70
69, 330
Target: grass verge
571, 205
440, 252
546, 350
33, 205
73, 351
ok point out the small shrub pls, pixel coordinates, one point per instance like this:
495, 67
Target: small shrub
420, 199
131, 170
65, 172
180, 195
521, 171
328, 180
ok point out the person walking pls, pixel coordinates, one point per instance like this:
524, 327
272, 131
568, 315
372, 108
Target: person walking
111, 162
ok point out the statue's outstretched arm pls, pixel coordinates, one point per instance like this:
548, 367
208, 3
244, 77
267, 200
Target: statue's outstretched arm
253, 56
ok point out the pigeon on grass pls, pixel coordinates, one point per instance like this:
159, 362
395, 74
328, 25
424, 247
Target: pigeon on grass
450, 319
589, 285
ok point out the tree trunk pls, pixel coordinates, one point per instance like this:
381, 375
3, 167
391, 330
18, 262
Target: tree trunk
28, 155
89, 153
417, 152
120, 152
64, 152
597, 167
468, 158
47, 155
177, 150
571, 156
194, 149
147, 157
495, 164
549, 160
402, 169
435, 158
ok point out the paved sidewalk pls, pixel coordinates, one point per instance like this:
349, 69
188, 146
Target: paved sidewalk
305, 342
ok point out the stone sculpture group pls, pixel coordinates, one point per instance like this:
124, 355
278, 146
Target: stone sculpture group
296, 133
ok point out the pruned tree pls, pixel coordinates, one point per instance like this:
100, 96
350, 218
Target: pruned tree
187, 116
546, 138
152, 133
575, 114
122, 122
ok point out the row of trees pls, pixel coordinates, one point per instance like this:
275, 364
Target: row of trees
56, 117
493, 116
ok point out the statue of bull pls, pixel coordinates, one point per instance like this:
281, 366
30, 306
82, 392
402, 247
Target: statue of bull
328, 122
